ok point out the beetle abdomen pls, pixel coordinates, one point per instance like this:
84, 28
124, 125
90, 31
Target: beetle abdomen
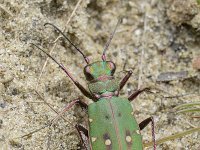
113, 126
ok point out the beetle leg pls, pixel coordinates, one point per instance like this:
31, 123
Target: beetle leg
70, 105
144, 123
83, 133
79, 86
136, 93
84, 91
125, 79
83, 104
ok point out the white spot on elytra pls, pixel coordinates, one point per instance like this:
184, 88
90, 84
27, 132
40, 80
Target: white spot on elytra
138, 131
94, 139
90, 120
108, 142
128, 138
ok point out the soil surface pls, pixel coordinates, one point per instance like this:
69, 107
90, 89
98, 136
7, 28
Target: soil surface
159, 40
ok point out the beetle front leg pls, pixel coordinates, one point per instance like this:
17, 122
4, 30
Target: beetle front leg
144, 123
79, 86
136, 93
84, 91
83, 133
125, 79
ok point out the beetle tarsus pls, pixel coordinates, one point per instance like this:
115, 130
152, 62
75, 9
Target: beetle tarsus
83, 133
144, 123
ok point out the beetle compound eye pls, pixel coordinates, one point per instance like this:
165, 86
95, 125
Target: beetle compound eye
88, 73
111, 65
87, 69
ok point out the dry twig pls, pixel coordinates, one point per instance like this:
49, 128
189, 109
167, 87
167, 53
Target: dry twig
6, 10
141, 60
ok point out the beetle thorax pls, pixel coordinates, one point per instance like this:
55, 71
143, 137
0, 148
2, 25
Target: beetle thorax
104, 88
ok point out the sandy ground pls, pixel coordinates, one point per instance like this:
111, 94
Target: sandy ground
163, 33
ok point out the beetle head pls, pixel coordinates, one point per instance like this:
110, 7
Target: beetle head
99, 69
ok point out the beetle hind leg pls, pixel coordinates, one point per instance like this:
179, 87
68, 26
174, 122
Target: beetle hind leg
83, 133
144, 123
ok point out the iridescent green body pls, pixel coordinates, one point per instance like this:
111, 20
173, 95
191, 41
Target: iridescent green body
112, 119
112, 125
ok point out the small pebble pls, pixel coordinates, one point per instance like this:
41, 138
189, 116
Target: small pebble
196, 63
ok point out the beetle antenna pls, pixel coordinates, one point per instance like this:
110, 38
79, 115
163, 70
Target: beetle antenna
59, 64
85, 58
110, 39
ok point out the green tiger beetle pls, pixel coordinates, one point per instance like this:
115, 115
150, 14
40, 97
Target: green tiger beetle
111, 121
